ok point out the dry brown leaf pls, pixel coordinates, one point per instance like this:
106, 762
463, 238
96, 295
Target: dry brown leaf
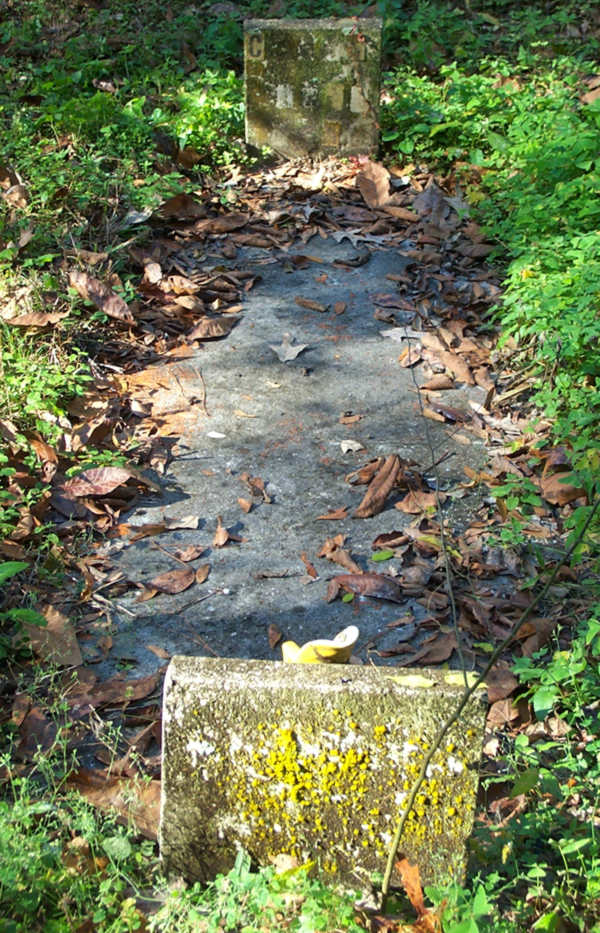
333, 550
448, 412
221, 534
310, 304
417, 500
433, 415
376, 585
157, 528
12, 550
410, 356
193, 552
223, 224
101, 295
173, 581
244, 504
364, 475
287, 350
146, 531
42, 449
373, 182
500, 682
439, 381
202, 573
257, 487
56, 642
557, 492
159, 652
335, 515
411, 882
475, 250
38, 318
275, 635
436, 652
136, 801
182, 207
310, 568
17, 196
501, 712
347, 417
98, 481
380, 487
339, 307
401, 213
117, 691
390, 539
36, 732
211, 328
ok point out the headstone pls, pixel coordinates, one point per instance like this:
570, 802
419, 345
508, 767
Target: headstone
312, 86
315, 761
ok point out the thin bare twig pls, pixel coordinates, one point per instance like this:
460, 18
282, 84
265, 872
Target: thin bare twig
203, 399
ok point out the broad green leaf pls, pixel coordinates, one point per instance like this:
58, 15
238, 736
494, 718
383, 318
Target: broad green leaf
384, 554
548, 922
26, 615
573, 845
463, 926
543, 700
118, 848
10, 567
525, 782
481, 905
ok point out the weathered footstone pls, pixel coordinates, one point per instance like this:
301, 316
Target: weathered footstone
314, 761
312, 86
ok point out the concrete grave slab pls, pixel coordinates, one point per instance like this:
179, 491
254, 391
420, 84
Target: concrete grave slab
314, 761
312, 86
281, 422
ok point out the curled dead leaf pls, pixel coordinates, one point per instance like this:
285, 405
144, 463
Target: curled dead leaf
380, 487
211, 328
193, 552
376, 585
202, 573
333, 550
173, 581
417, 500
558, 491
99, 294
333, 516
37, 318
310, 304
373, 182
275, 635
221, 534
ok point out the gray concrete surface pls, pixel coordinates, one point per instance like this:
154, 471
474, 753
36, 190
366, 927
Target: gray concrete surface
293, 443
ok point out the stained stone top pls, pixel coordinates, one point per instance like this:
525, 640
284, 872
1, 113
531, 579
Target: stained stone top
312, 86
315, 761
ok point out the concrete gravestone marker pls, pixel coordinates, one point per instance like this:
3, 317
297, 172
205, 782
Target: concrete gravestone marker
314, 761
312, 86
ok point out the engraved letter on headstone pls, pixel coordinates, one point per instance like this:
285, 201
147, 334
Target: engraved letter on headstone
312, 86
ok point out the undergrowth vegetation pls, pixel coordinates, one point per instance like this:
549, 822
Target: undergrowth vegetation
98, 102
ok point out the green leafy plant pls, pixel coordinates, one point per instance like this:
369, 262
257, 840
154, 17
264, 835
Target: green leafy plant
12, 619
252, 900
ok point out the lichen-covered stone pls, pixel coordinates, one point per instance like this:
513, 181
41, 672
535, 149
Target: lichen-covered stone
312, 86
315, 761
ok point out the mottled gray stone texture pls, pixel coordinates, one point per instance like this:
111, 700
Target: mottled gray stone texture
316, 761
312, 86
